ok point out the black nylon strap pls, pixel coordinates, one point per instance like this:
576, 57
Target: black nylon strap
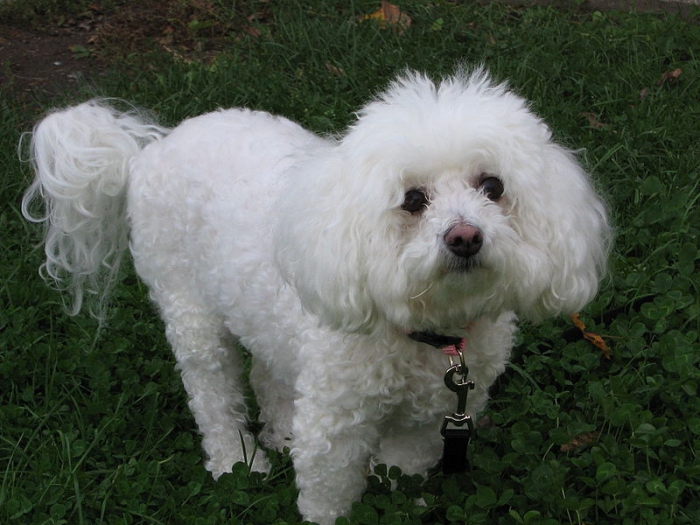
435, 340
454, 453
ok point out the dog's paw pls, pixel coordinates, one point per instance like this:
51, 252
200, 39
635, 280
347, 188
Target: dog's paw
259, 463
245, 451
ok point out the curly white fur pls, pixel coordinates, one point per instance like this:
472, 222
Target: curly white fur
313, 254
81, 158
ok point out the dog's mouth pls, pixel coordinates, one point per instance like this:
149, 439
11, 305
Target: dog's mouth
462, 264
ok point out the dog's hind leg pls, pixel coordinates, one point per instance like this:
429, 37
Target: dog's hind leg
211, 372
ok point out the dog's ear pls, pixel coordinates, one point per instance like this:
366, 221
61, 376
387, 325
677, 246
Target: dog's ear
322, 244
574, 233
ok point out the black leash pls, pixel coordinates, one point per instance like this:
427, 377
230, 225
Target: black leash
458, 427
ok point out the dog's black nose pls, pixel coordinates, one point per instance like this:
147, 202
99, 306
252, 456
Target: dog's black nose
464, 240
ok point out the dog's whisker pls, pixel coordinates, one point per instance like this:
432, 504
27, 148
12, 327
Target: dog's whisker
430, 285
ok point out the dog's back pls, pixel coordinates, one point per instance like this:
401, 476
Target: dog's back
211, 185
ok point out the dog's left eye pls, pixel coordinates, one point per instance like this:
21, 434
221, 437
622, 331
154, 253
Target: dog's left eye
414, 201
492, 187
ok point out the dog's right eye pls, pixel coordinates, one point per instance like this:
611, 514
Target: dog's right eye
414, 201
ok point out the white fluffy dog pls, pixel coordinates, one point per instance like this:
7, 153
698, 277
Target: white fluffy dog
445, 208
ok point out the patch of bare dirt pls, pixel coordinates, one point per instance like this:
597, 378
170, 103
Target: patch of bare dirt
41, 63
35, 64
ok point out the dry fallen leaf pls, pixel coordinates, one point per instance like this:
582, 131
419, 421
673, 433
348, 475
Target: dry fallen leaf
252, 31
598, 342
390, 15
335, 70
593, 119
595, 339
669, 77
576, 319
579, 442
168, 36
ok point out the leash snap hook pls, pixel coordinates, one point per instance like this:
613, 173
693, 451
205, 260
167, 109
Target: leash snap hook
461, 386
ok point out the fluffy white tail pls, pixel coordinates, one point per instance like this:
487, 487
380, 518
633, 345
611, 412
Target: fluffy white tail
80, 158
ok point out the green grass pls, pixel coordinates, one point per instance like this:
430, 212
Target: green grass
95, 428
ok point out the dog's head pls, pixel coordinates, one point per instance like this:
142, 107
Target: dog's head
441, 204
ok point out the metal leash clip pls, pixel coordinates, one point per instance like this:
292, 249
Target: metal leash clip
458, 427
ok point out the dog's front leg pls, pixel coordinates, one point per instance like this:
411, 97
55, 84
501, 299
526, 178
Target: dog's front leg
333, 440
